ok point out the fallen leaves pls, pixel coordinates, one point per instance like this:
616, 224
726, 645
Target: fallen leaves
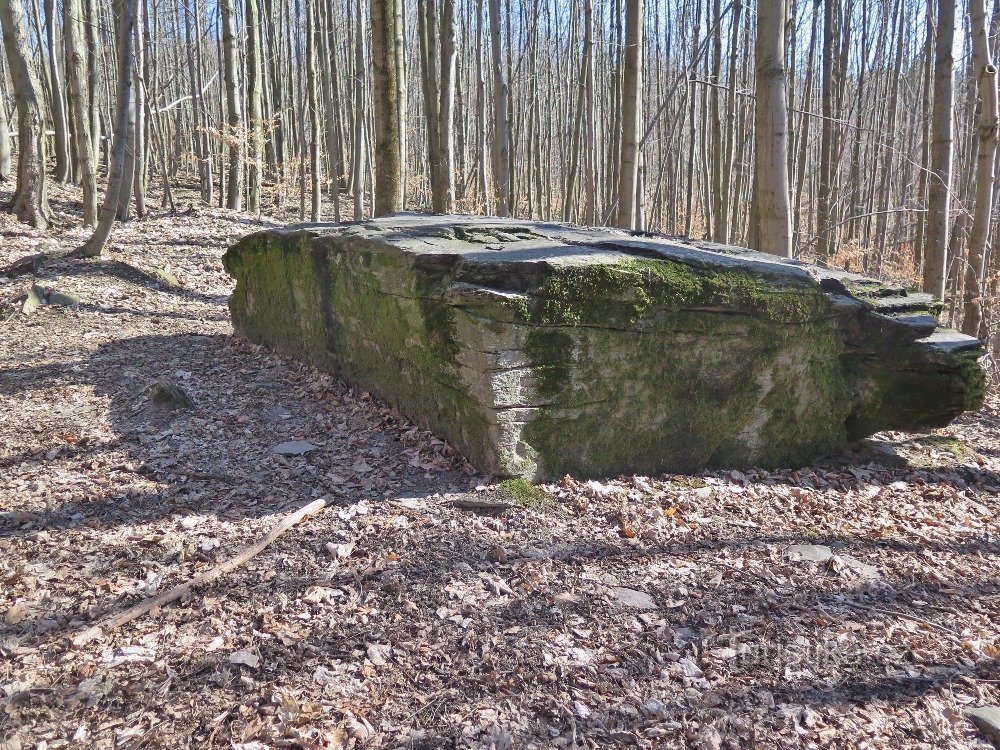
421, 609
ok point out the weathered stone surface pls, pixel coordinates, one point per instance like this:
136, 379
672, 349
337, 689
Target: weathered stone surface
541, 349
987, 721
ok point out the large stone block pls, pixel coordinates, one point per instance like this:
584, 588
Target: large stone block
542, 349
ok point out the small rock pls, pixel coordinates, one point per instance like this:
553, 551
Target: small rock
817, 553
166, 278
376, 654
633, 598
246, 658
654, 709
987, 721
340, 551
168, 392
64, 299
861, 569
36, 298
293, 448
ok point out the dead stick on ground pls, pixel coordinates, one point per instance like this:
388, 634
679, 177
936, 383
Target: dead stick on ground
203, 579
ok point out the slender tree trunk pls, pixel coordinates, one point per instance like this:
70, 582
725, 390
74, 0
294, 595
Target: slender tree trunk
359, 117
4, 140
255, 105
484, 158
501, 118
140, 152
59, 123
386, 99
773, 219
986, 130
125, 13
312, 103
399, 48
628, 176
30, 203
234, 107
589, 118
942, 150
76, 75
824, 218
446, 110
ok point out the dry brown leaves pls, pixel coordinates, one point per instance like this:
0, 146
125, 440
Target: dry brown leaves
400, 618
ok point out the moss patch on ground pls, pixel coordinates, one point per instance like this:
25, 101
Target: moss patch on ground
524, 493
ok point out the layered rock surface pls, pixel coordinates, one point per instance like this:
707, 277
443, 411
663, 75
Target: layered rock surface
542, 349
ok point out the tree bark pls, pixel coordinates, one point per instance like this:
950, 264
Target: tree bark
446, 179
986, 131
386, 100
59, 124
312, 104
77, 76
4, 140
773, 215
30, 203
501, 117
255, 105
628, 176
942, 148
125, 13
234, 108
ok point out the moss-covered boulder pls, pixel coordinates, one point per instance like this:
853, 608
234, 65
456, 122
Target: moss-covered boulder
542, 349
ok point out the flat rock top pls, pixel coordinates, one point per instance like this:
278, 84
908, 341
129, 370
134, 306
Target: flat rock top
495, 240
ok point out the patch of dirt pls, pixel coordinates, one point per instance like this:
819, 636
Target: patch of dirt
407, 614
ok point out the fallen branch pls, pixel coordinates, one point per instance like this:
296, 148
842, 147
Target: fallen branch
224, 568
31, 264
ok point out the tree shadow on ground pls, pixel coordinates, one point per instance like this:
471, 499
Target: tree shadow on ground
214, 459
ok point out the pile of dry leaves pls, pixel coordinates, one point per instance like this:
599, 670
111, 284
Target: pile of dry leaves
852, 604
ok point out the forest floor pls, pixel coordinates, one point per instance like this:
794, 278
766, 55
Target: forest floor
644, 611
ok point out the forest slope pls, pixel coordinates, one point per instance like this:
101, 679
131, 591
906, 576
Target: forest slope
670, 611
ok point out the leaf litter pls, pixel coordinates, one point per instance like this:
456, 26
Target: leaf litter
417, 610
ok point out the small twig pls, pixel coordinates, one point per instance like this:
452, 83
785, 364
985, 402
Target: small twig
905, 616
203, 579
482, 506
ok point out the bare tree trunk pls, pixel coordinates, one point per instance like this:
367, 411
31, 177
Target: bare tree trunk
312, 103
628, 177
484, 187
30, 204
76, 75
501, 118
942, 148
399, 48
234, 107
824, 219
773, 219
447, 126
4, 140
989, 122
589, 119
90, 31
430, 70
59, 124
140, 153
359, 117
385, 90
255, 105
125, 13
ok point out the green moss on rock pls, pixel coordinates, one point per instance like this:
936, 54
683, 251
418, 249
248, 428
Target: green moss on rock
555, 350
